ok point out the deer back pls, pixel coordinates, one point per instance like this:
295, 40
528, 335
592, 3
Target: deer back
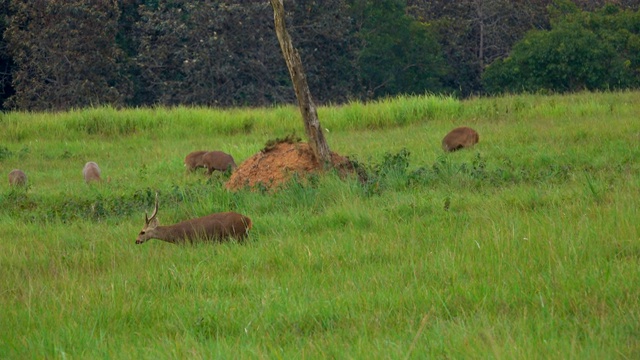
17, 177
458, 138
218, 160
194, 160
91, 172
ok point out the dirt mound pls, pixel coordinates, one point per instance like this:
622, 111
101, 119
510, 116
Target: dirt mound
276, 164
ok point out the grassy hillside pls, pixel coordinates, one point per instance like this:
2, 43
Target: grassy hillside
526, 246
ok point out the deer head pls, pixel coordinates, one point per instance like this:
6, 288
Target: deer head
193, 160
150, 225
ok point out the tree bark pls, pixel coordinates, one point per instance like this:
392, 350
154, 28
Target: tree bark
307, 107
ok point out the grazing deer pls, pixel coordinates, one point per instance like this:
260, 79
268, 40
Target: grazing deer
91, 172
459, 138
218, 160
214, 227
194, 160
17, 177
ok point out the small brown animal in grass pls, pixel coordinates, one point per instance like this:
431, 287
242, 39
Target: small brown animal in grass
458, 138
218, 160
17, 177
214, 227
91, 172
194, 160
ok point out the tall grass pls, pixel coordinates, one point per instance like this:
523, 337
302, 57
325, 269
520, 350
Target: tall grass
526, 246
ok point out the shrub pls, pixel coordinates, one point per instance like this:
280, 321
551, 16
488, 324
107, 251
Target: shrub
583, 51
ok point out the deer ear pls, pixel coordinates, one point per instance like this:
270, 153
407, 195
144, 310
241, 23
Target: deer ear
153, 223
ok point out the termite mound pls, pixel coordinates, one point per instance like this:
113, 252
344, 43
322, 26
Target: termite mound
277, 163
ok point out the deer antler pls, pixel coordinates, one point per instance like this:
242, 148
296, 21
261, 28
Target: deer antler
148, 219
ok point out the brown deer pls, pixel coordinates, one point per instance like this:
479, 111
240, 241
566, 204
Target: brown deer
218, 160
458, 138
213, 227
91, 172
194, 160
17, 177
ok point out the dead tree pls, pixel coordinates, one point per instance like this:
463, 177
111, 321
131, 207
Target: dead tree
317, 142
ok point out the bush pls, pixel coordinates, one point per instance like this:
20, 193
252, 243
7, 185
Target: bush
583, 51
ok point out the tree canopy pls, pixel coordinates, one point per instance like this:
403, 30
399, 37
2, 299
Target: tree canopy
56, 54
583, 51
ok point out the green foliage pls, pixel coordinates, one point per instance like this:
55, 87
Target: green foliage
6, 153
399, 54
219, 54
74, 54
107, 122
65, 55
583, 51
390, 172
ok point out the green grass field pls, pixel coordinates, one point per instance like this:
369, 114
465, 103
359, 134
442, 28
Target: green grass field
535, 256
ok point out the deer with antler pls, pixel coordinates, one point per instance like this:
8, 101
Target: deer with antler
213, 227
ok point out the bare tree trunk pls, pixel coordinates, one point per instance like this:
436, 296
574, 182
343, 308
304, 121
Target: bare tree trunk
312, 127
481, 22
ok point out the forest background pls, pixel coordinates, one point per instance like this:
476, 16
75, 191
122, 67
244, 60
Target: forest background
64, 54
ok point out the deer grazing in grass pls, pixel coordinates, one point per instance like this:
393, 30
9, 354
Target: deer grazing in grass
17, 178
194, 160
458, 138
218, 160
91, 172
214, 227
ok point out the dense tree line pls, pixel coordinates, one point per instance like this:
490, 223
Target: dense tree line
583, 51
60, 54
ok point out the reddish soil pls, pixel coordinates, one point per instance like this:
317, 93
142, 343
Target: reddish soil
275, 165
